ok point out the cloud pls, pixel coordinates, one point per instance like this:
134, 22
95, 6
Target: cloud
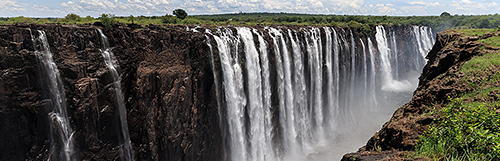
13, 9
382, 9
473, 7
162, 7
421, 3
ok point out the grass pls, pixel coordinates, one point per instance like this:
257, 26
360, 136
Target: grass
492, 41
475, 32
465, 131
468, 128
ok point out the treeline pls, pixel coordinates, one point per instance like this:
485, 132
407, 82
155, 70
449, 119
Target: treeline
439, 23
363, 23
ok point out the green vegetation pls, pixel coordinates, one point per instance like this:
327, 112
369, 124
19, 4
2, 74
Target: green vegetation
465, 131
180, 14
361, 23
468, 128
131, 18
492, 41
108, 20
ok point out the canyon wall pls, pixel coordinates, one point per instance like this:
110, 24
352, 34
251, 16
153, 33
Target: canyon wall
167, 83
222, 93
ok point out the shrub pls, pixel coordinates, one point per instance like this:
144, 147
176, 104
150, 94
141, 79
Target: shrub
180, 13
107, 20
191, 21
464, 131
169, 19
21, 19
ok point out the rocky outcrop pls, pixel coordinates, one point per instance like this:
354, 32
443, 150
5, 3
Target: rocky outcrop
439, 81
167, 82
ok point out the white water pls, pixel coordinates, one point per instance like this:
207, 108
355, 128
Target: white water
372, 94
388, 81
112, 65
291, 93
62, 147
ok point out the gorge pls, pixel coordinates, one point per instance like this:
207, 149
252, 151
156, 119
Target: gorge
191, 93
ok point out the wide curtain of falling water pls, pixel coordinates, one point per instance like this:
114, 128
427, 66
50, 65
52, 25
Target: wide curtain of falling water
290, 94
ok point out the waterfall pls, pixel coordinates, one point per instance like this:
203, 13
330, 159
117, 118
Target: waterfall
266, 124
373, 99
233, 94
389, 83
112, 65
62, 147
289, 93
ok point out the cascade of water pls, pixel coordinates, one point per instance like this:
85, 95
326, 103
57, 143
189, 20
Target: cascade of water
394, 55
353, 102
388, 82
315, 118
353, 68
253, 80
289, 107
365, 72
318, 82
427, 39
336, 72
372, 76
423, 36
266, 85
329, 72
416, 32
301, 114
343, 61
61, 138
285, 126
112, 65
217, 88
234, 93
259, 138
314, 80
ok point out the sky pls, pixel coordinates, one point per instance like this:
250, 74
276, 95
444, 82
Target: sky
94, 8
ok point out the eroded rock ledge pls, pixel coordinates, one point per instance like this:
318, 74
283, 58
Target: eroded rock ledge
398, 136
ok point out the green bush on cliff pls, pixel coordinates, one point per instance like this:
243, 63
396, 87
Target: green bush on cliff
464, 131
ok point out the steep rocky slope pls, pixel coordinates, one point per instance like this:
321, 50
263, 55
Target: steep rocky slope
440, 81
168, 91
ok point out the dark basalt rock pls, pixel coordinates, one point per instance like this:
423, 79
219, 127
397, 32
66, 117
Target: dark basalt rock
167, 82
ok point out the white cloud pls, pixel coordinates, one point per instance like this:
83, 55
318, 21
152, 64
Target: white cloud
12, 9
424, 3
162, 7
473, 7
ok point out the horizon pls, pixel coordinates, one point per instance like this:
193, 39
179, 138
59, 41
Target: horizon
94, 8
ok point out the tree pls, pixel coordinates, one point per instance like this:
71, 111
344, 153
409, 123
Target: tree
445, 14
107, 20
180, 14
72, 17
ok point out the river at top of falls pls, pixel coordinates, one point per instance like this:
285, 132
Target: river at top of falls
62, 147
310, 93
112, 65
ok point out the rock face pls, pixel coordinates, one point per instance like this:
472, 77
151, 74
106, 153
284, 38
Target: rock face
168, 86
400, 133
167, 83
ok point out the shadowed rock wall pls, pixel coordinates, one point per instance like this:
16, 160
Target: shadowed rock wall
167, 82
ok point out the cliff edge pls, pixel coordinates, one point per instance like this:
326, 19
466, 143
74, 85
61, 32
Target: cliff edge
442, 80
